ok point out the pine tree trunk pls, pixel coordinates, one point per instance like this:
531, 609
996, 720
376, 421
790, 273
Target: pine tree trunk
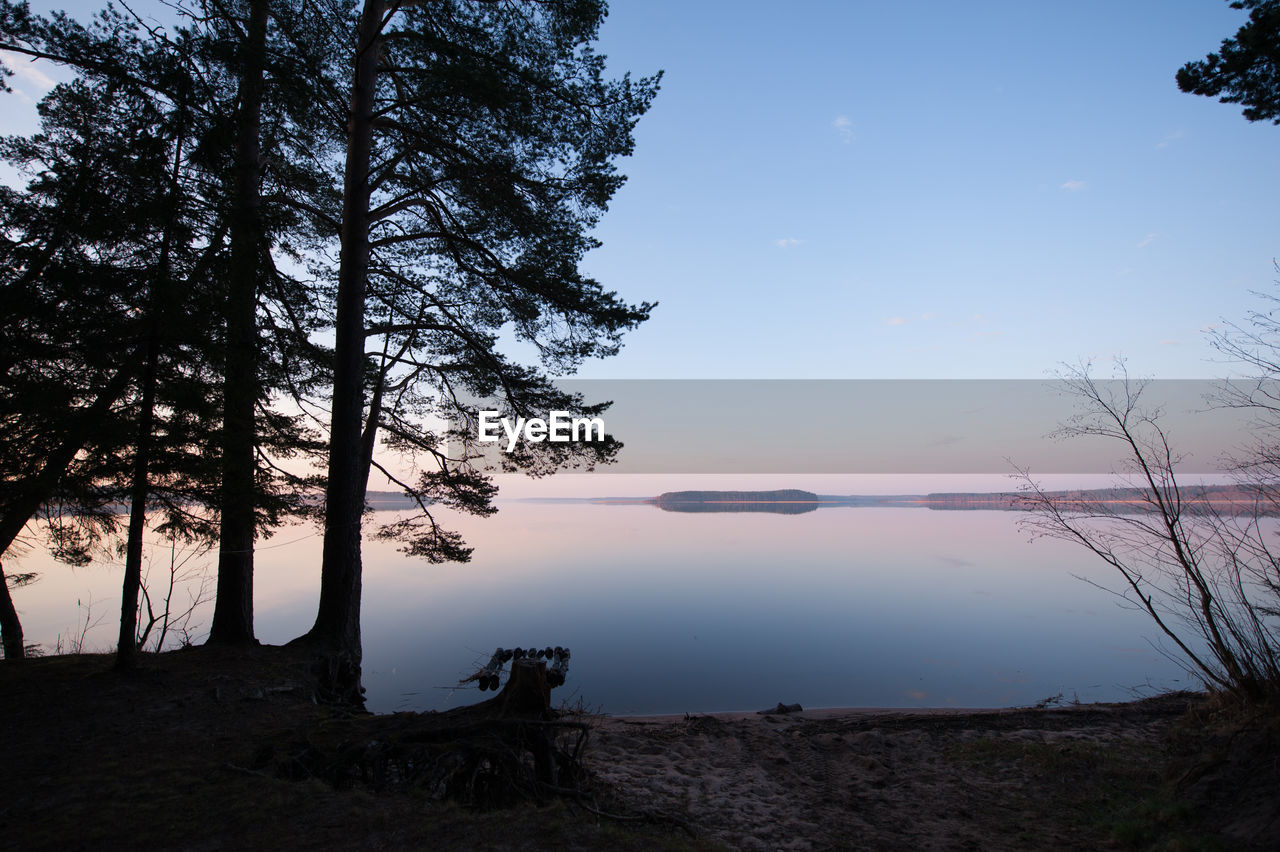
157, 299
337, 626
10, 625
127, 648
233, 612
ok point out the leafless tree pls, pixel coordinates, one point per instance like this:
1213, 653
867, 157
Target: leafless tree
183, 577
1208, 574
72, 640
1255, 345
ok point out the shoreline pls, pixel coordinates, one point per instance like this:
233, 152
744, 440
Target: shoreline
820, 713
198, 749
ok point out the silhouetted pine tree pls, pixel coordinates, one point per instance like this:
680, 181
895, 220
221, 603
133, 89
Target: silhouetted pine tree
1246, 68
279, 190
191, 86
480, 153
105, 297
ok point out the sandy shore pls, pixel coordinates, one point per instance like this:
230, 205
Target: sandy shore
860, 778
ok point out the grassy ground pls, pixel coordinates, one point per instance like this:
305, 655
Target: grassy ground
1112, 792
161, 758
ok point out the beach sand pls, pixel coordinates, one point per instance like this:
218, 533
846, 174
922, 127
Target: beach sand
1045, 778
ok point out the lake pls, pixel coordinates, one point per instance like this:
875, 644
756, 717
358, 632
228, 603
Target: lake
668, 612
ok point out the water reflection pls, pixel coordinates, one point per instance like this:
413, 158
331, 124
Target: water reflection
670, 612
674, 612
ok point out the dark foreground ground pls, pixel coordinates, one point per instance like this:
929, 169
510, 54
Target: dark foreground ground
217, 749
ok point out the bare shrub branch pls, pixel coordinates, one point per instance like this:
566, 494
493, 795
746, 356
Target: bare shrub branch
1206, 574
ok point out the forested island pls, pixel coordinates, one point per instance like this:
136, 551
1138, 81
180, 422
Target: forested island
1227, 499
785, 501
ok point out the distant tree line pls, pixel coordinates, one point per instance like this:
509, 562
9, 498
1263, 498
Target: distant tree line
290, 231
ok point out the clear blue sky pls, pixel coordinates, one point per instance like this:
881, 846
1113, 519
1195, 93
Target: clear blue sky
933, 189
924, 190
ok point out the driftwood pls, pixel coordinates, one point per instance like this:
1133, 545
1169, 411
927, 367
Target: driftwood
491, 673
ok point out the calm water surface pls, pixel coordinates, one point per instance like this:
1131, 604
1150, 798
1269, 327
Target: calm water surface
669, 612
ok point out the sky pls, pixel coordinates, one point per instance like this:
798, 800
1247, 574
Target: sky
933, 190
926, 190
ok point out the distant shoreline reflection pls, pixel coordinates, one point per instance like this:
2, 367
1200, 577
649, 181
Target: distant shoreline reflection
736, 606
726, 605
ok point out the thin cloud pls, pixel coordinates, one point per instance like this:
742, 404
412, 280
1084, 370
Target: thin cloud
1170, 139
1072, 185
896, 321
844, 126
36, 82
787, 242
1147, 240
984, 329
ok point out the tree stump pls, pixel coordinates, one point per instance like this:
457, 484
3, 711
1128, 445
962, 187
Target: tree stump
512, 747
527, 694
527, 698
